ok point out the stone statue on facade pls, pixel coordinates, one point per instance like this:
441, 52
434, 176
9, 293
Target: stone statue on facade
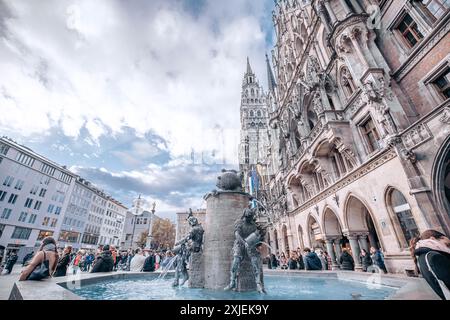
385, 119
186, 247
317, 103
247, 237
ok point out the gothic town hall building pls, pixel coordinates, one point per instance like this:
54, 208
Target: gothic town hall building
358, 126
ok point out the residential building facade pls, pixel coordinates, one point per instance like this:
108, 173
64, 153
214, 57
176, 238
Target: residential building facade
34, 194
113, 223
39, 198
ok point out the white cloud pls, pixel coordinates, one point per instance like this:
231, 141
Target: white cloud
102, 66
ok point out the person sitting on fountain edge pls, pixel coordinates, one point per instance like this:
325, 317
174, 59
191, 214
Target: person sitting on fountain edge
247, 230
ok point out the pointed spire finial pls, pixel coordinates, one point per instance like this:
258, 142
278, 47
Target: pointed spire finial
270, 78
249, 69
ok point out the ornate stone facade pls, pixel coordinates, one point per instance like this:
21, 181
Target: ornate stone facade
359, 136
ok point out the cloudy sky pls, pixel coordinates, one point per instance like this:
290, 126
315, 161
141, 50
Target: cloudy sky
137, 96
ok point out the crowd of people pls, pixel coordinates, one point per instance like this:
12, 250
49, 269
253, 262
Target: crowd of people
319, 259
106, 258
430, 252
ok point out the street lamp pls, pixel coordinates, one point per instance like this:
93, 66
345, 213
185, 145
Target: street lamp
149, 236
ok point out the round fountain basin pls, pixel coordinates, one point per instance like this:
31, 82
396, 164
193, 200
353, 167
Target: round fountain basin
278, 287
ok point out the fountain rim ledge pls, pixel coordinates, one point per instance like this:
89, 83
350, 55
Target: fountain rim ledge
408, 288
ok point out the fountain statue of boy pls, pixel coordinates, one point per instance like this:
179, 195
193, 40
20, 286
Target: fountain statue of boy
181, 258
183, 248
248, 235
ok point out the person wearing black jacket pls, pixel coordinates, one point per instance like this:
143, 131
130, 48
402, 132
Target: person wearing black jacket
104, 261
312, 261
366, 260
292, 262
149, 263
10, 262
301, 264
431, 254
63, 262
346, 261
273, 261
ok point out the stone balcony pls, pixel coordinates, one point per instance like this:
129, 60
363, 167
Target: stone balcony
332, 126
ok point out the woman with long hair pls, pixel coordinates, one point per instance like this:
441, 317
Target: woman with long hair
431, 254
63, 262
47, 252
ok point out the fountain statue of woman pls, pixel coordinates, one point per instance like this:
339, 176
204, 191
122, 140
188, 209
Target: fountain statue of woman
248, 235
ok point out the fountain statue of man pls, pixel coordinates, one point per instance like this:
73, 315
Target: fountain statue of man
189, 244
248, 235
196, 234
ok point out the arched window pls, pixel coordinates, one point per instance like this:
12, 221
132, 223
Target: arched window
252, 114
312, 118
252, 92
258, 113
403, 220
348, 85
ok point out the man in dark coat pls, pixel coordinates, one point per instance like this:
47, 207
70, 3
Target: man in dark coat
366, 260
377, 259
312, 261
301, 263
149, 263
346, 261
12, 259
104, 261
273, 261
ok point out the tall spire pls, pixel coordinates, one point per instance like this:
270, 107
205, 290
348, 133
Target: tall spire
249, 69
270, 78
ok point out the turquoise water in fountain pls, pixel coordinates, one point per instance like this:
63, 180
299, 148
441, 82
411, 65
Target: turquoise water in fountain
277, 287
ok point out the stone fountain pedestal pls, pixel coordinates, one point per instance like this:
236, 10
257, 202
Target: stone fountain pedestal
222, 210
197, 270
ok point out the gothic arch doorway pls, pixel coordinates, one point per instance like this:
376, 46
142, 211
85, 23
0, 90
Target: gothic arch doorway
315, 234
331, 225
359, 220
